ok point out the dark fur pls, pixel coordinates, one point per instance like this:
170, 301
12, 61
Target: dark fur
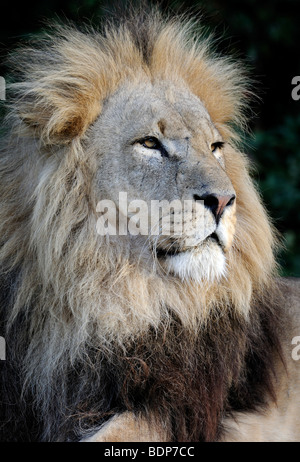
190, 382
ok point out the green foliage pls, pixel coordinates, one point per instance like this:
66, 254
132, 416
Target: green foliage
277, 157
265, 34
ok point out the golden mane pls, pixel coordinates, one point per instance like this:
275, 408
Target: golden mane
66, 78
71, 288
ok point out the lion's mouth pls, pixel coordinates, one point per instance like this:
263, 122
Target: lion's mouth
175, 250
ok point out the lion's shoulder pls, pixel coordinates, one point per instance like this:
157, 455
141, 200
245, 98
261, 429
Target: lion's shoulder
290, 289
290, 299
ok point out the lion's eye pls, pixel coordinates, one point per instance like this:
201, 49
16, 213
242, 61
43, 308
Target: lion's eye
155, 144
217, 145
151, 143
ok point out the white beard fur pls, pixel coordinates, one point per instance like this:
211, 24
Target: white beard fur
207, 263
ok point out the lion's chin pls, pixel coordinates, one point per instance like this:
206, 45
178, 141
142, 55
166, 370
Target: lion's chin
206, 263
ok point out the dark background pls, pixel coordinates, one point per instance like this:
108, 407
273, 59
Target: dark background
266, 35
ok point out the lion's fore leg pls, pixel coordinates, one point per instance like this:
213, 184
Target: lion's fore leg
127, 427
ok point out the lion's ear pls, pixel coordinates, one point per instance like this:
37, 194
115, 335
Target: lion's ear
61, 85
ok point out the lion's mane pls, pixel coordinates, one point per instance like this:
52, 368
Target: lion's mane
87, 333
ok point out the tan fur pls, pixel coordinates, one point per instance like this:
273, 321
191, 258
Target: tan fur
130, 428
76, 103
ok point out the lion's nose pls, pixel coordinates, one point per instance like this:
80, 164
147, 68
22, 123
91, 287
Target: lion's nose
216, 203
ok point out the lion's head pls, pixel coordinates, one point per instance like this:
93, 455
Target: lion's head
158, 143
149, 112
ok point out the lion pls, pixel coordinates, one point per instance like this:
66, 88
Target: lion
129, 336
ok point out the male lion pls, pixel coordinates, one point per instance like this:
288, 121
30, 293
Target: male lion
127, 336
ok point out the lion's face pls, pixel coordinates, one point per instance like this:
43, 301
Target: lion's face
158, 143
